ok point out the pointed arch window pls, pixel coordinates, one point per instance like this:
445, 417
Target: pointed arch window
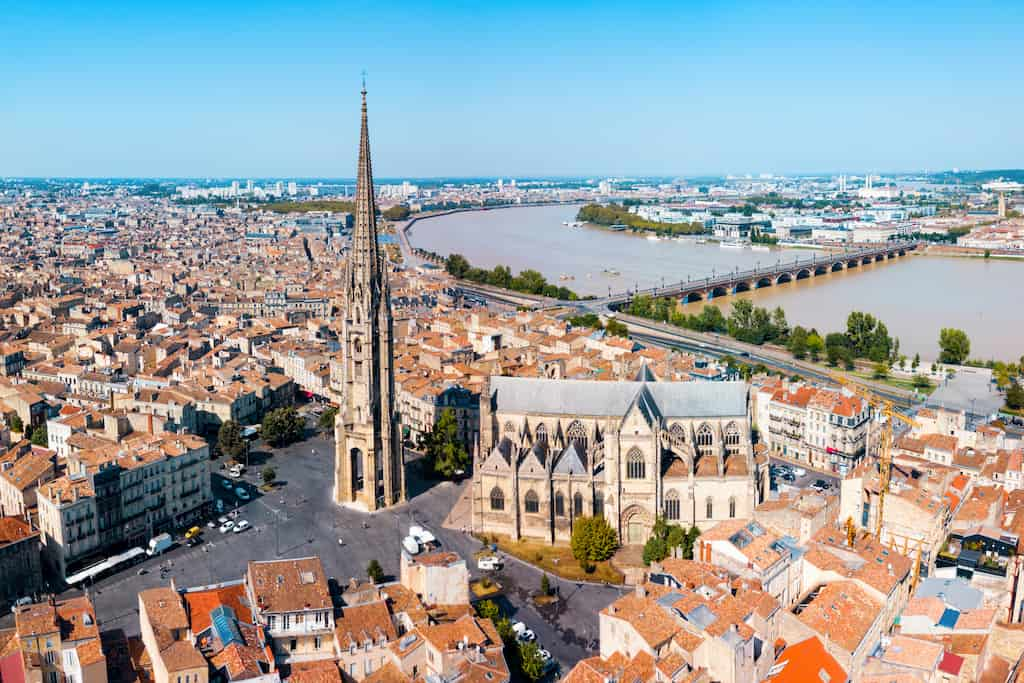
705, 439
677, 434
542, 434
598, 506
559, 504
732, 438
497, 499
636, 468
510, 428
577, 434
672, 506
577, 504
531, 503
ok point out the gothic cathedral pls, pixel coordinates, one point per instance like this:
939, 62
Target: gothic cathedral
368, 466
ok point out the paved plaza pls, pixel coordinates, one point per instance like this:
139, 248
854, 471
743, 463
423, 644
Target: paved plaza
299, 519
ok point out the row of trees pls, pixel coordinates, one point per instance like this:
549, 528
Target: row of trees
523, 659
666, 537
615, 214
528, 281
592, 320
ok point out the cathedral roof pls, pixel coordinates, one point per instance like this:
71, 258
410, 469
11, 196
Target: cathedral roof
533, 395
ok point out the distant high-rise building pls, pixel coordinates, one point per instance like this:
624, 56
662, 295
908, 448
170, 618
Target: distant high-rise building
234, 188
279, 188
248, 186
293, 188
501, 184
368, 466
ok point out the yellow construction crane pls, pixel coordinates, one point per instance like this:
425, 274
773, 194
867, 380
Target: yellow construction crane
887, 408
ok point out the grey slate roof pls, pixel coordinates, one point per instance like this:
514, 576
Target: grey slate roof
570, 462
954, 592
605, 399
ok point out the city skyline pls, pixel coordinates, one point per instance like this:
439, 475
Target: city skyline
247, 91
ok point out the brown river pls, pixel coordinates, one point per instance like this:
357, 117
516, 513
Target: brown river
915, 296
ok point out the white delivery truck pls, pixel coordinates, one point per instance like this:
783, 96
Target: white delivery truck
159, 544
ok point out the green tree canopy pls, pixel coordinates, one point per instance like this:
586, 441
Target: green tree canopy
327, 417
593, 539
230, 441
374, 571
445, 452
282, 426
398, 212
39, 436
954, 344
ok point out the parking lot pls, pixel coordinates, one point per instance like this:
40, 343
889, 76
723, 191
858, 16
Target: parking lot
786, 478
298, 518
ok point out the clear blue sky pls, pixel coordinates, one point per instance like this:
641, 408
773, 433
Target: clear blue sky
223, 88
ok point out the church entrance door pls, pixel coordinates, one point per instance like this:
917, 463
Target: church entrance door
635, 531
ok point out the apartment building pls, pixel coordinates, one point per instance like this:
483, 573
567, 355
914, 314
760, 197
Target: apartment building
749, 550
60, 643
290, 599
20, 573
166, 635
439, 578
122, 494
824, 428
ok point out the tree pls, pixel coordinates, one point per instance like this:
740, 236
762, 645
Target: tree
881, 370
593, 539
1015, 396
282, 426
456, 265
815, 345
916, 362
39, 436
798, 342
488, 609
545, 585
954, 344
445, 451
327, 417
230, 441
616, 328
374, 571
655, 550
269, 474
398, 212
17, 425
921, 382
530, 661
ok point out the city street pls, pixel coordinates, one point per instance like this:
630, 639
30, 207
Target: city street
299, 519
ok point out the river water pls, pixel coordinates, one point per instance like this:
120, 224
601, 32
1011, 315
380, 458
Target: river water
915, 296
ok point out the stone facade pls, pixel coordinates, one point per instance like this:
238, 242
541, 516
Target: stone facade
368, 467
554, 450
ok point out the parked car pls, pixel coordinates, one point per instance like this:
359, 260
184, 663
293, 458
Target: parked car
226, 483
227, 526
192, 533
242, 493
242, 526
21, 602
544, 654
799, 471
489, 563
523, 633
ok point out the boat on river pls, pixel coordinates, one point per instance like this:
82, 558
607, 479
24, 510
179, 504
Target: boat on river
731, 244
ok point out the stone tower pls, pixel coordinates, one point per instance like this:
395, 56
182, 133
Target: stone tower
368, 469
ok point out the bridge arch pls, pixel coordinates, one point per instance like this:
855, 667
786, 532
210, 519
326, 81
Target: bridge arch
763, 282
821, 270
802, 274
785, 277
853, 263
879, 257
838, 265
742, 286
719, 291
866, 260
690, 297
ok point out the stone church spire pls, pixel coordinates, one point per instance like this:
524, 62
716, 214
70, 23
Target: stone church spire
368, 464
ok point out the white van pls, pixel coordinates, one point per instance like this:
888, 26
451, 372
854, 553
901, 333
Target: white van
411, 545
159, 544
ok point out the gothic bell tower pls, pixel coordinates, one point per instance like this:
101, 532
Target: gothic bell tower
368, 466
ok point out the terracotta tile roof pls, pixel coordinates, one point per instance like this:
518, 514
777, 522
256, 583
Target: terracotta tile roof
805, 661
371, 621
289, 585
323, 671
202, 603
843, 612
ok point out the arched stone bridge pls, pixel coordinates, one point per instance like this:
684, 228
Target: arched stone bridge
733, 282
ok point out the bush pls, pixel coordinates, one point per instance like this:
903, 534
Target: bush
488, 609
269, 474
921, 382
